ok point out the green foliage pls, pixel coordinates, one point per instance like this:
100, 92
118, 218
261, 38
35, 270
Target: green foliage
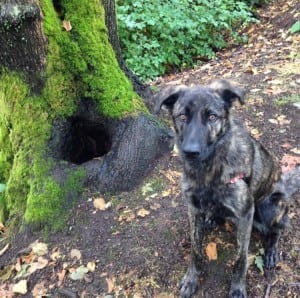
159, 35
295, 28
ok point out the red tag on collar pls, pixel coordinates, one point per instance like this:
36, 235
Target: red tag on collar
234, 179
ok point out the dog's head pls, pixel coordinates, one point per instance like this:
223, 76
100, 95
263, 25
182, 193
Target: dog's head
200, 115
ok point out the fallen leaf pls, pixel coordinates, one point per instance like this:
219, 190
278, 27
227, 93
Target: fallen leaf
91, 266
27, 259
75, 253
127, 216
166, 193
255, 90
67, 25
273, 121
6, 291
296, 150
255, 133
39, 290
286, 146
18, 265
23, 271
289, 162
79, 273
55, 255
282, 120
20, 287
259, 262
211, 251
143, 212
100, 204
155, 206
40, 264
6, 272
39, 248
110, 284
61, 275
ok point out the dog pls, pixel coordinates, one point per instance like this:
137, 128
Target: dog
227, 174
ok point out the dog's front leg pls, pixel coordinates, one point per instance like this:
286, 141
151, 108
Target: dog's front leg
189, 283
244, 227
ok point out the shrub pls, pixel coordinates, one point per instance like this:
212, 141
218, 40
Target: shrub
159, 35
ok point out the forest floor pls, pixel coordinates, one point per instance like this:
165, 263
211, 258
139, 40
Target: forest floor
136, 244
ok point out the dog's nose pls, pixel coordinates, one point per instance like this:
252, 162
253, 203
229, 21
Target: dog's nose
191, 151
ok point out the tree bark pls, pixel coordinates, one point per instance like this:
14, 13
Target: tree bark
22, 43
110, 19
69, 116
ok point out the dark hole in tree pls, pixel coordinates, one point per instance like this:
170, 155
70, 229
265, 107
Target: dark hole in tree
85, 141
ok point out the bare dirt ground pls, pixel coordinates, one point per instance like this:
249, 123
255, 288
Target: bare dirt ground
138, 245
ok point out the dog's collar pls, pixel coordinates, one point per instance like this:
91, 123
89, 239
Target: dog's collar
234, 179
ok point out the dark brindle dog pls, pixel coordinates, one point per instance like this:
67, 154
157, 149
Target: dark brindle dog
227, 175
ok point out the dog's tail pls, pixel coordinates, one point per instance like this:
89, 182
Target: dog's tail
289, 183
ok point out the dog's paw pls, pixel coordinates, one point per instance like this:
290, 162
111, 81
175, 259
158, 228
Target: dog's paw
189, 284
271, 258
238, 292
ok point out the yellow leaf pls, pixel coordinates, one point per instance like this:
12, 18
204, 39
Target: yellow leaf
296, 150
126, 216
39, 248
100, 204
255, 133
20, 287
211, 251
55, 255
143, 212
166, 193
67, 25
75, 253
110, 284
91, 266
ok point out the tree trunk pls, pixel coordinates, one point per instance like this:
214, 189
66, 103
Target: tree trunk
111, 24
69, 116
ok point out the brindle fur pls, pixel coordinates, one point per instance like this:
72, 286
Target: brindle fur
214, 149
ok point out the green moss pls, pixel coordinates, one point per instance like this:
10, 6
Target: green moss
80, 64
88, 57
31, 189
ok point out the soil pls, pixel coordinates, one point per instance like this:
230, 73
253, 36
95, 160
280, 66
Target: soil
139, 245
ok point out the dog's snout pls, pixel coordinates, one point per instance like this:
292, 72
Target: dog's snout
191, 151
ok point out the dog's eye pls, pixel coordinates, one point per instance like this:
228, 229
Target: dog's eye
212, 117
182, 118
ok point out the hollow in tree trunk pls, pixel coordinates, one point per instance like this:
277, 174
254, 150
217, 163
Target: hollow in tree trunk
69, 116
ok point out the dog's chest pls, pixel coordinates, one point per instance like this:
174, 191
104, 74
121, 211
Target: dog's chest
211, 200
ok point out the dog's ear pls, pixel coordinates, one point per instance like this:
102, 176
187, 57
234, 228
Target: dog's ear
168, 97
228, 92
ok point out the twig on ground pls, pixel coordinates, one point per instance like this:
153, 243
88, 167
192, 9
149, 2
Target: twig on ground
4, 249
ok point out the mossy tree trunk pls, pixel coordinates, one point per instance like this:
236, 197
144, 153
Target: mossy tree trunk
69, 116
111, 24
